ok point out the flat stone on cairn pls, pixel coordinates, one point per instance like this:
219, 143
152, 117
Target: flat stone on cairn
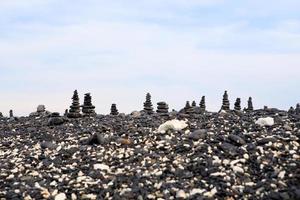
87, 107
237, 104
74, 111
148, 107
225, 103
162, 108
202, 104
113, 109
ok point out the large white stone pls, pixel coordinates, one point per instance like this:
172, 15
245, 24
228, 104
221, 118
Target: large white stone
101, 166
60, 196
267, 121
174, 124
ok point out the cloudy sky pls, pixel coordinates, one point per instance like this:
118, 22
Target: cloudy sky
177, 50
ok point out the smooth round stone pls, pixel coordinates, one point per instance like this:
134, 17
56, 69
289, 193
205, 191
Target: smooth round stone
236, 140
198, 134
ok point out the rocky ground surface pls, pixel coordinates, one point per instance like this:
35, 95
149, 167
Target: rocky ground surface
217, 156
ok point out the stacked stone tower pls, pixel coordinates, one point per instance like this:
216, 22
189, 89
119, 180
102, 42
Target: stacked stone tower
11, 113
202, 104
148, 107
237, 104
113, 109
194, 104
250, 104
291, 111
162, 108
88, 108
74, 111
297, 110
225, 103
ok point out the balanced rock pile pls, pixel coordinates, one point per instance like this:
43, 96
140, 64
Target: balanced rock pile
239, 155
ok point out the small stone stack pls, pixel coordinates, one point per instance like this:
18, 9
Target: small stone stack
113, 109
291, 111
162, 108
148, 107
11, 114
74, 111
202, 104
1, 115
237, 104
250, 104
297, 110
187, 106
87, 107
225, 103
66, 112
194, 104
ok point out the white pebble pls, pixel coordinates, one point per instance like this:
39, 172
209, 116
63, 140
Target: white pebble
237, 169
181, 194
101, 166
196, 191
60, 196
281, 174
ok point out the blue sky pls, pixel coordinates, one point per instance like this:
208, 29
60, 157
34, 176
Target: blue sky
176, 49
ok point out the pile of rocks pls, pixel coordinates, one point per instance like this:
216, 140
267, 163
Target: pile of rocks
217, 156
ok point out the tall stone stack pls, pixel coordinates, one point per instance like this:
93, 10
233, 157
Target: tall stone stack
297, 110
11, 113
162, 108
202, 104
88, 108
237, 104
148, 107
74, 111
113, 109
225, 103
250, 104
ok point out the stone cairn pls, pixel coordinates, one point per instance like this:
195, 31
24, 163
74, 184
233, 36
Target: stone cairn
162, 108
66, 112
148, 107
202, 104
113, 109
291, 111
74, 111
1, 115
250, 104
11, 114
297, 110
225, 103
237, 104
188, 109
87, 107
194, 104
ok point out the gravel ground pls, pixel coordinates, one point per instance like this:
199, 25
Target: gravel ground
218, 156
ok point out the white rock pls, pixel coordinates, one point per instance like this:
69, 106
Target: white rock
281, 174
181, 194
174, 124
101, 166
211, 193
60, 196
237, 169
196, 191
267, 121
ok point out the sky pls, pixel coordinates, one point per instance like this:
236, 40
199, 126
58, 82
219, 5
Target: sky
177, 50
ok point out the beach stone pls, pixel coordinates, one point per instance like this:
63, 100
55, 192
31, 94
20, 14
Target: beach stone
198, 134
49, 145
236, 140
